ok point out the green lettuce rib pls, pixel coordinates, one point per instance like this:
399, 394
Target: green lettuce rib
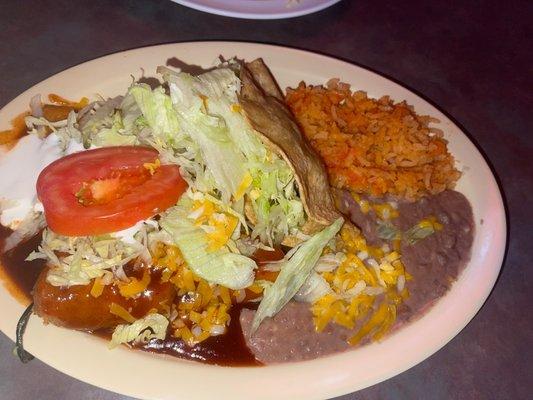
294, 273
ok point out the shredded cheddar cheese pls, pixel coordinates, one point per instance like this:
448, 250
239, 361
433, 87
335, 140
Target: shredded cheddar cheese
135, 286
121, 312
152, 167
217, 224
97, 288
243, 186
365, 273
204, 309
58, 100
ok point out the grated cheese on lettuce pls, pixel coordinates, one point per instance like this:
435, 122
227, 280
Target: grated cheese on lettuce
216, 265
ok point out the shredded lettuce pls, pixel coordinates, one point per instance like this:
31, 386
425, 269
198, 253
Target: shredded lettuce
132, 120
69, 133
210, 133
111, 136
156, 108
278, 209
87, 257
424, 228
152, 326
313, 288
210, 110
220, 266
294, 272
200, 126
158, 124
98, 115
220, 87
329, 262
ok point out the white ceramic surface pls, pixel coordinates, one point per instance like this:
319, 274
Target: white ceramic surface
258, 9
152, 376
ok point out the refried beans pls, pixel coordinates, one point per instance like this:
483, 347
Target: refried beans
434, 263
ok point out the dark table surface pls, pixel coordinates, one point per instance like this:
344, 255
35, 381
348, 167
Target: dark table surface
472, 59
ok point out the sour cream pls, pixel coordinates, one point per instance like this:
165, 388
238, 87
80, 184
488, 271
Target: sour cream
19, 169
128, 235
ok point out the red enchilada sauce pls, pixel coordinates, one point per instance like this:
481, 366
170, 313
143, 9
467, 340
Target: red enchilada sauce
229, 349
19, 275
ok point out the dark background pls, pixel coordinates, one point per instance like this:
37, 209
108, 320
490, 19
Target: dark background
471, 58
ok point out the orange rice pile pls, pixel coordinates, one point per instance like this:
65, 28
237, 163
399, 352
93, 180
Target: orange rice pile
373, 146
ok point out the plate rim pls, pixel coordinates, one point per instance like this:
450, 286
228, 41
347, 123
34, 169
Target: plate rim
195, 5
346, 387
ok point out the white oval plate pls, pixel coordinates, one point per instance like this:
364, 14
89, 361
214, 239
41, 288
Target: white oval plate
154, 376
258, 9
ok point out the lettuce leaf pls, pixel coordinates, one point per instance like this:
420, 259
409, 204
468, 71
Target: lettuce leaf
97, 116
156, 108
294, 272
210, 132
111, 136
221, 86
221, 266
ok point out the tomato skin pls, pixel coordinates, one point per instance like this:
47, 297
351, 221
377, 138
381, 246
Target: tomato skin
60, 181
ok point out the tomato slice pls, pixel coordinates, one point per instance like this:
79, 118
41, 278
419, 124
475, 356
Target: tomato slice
106, 190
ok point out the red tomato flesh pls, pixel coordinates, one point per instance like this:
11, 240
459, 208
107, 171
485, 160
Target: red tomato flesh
106, 190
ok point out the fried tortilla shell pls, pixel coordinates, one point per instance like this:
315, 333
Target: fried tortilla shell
262, 102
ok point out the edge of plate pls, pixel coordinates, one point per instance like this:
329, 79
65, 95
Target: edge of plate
250, 15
